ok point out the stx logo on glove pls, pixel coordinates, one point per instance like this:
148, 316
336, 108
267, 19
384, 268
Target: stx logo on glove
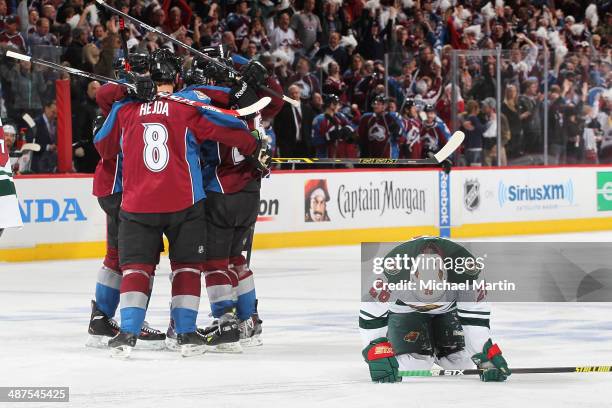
383, 350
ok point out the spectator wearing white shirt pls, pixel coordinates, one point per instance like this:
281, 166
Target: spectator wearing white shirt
283, 37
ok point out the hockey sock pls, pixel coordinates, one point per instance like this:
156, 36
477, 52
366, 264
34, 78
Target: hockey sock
108, 282
107, 290
186, 288
219, 285
151, 281
245, 306
134, 296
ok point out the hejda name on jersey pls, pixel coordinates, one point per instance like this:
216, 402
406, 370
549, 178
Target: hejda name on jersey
154, 108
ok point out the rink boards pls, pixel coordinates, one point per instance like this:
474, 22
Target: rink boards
62, 220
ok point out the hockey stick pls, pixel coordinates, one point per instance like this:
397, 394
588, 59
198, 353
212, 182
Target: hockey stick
249, 244
246, 111
533, 370
453, 144
191, 49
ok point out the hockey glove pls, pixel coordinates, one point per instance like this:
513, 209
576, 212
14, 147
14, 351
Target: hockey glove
493, 365
381, 361
346, 134
394, 129
262, 156
242, 95
146, 89
98, 123
334, 135
254, 74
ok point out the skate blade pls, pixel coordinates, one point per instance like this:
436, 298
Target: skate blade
100, 342
121, 352
151, 345
229, 348
191, 350
254, 341
172, 345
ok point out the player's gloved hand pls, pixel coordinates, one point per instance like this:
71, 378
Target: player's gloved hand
98, 123
394, 128
381, 361
254, 74
334, 134
242, 95
262, 156
446, 166
146, 89
494, 365
346, 134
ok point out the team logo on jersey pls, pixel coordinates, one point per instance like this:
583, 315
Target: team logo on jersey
413, 135
471, 194
412, 337
377, 133
200, 95
425, 308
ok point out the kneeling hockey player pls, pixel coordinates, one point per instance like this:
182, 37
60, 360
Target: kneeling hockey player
413, 329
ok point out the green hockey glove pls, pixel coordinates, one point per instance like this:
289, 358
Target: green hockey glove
381, 361
493, 364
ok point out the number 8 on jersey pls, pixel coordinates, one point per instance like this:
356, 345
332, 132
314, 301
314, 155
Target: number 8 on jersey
155, 154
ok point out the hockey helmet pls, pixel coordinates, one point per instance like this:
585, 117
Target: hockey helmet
408, 103
139, 62
379, 98
429, 108
164, 65
329, 99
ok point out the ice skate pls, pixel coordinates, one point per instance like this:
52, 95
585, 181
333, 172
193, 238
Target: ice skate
101, 328
191, 344
223, 336
122, 344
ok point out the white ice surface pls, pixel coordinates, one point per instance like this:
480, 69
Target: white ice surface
309, 299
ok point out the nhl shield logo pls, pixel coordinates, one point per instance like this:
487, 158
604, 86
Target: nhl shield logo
471, 194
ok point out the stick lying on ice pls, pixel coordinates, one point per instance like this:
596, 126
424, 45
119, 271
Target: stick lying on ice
532, 370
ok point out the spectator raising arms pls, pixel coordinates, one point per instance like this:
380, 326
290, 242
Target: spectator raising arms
409, 54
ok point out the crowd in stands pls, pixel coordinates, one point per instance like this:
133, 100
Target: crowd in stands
556, 60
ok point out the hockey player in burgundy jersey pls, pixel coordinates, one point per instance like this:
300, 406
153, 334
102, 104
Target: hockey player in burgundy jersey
380, 131
332, 133
232, 185
163, 194
434, 132
410, 145
107, 188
